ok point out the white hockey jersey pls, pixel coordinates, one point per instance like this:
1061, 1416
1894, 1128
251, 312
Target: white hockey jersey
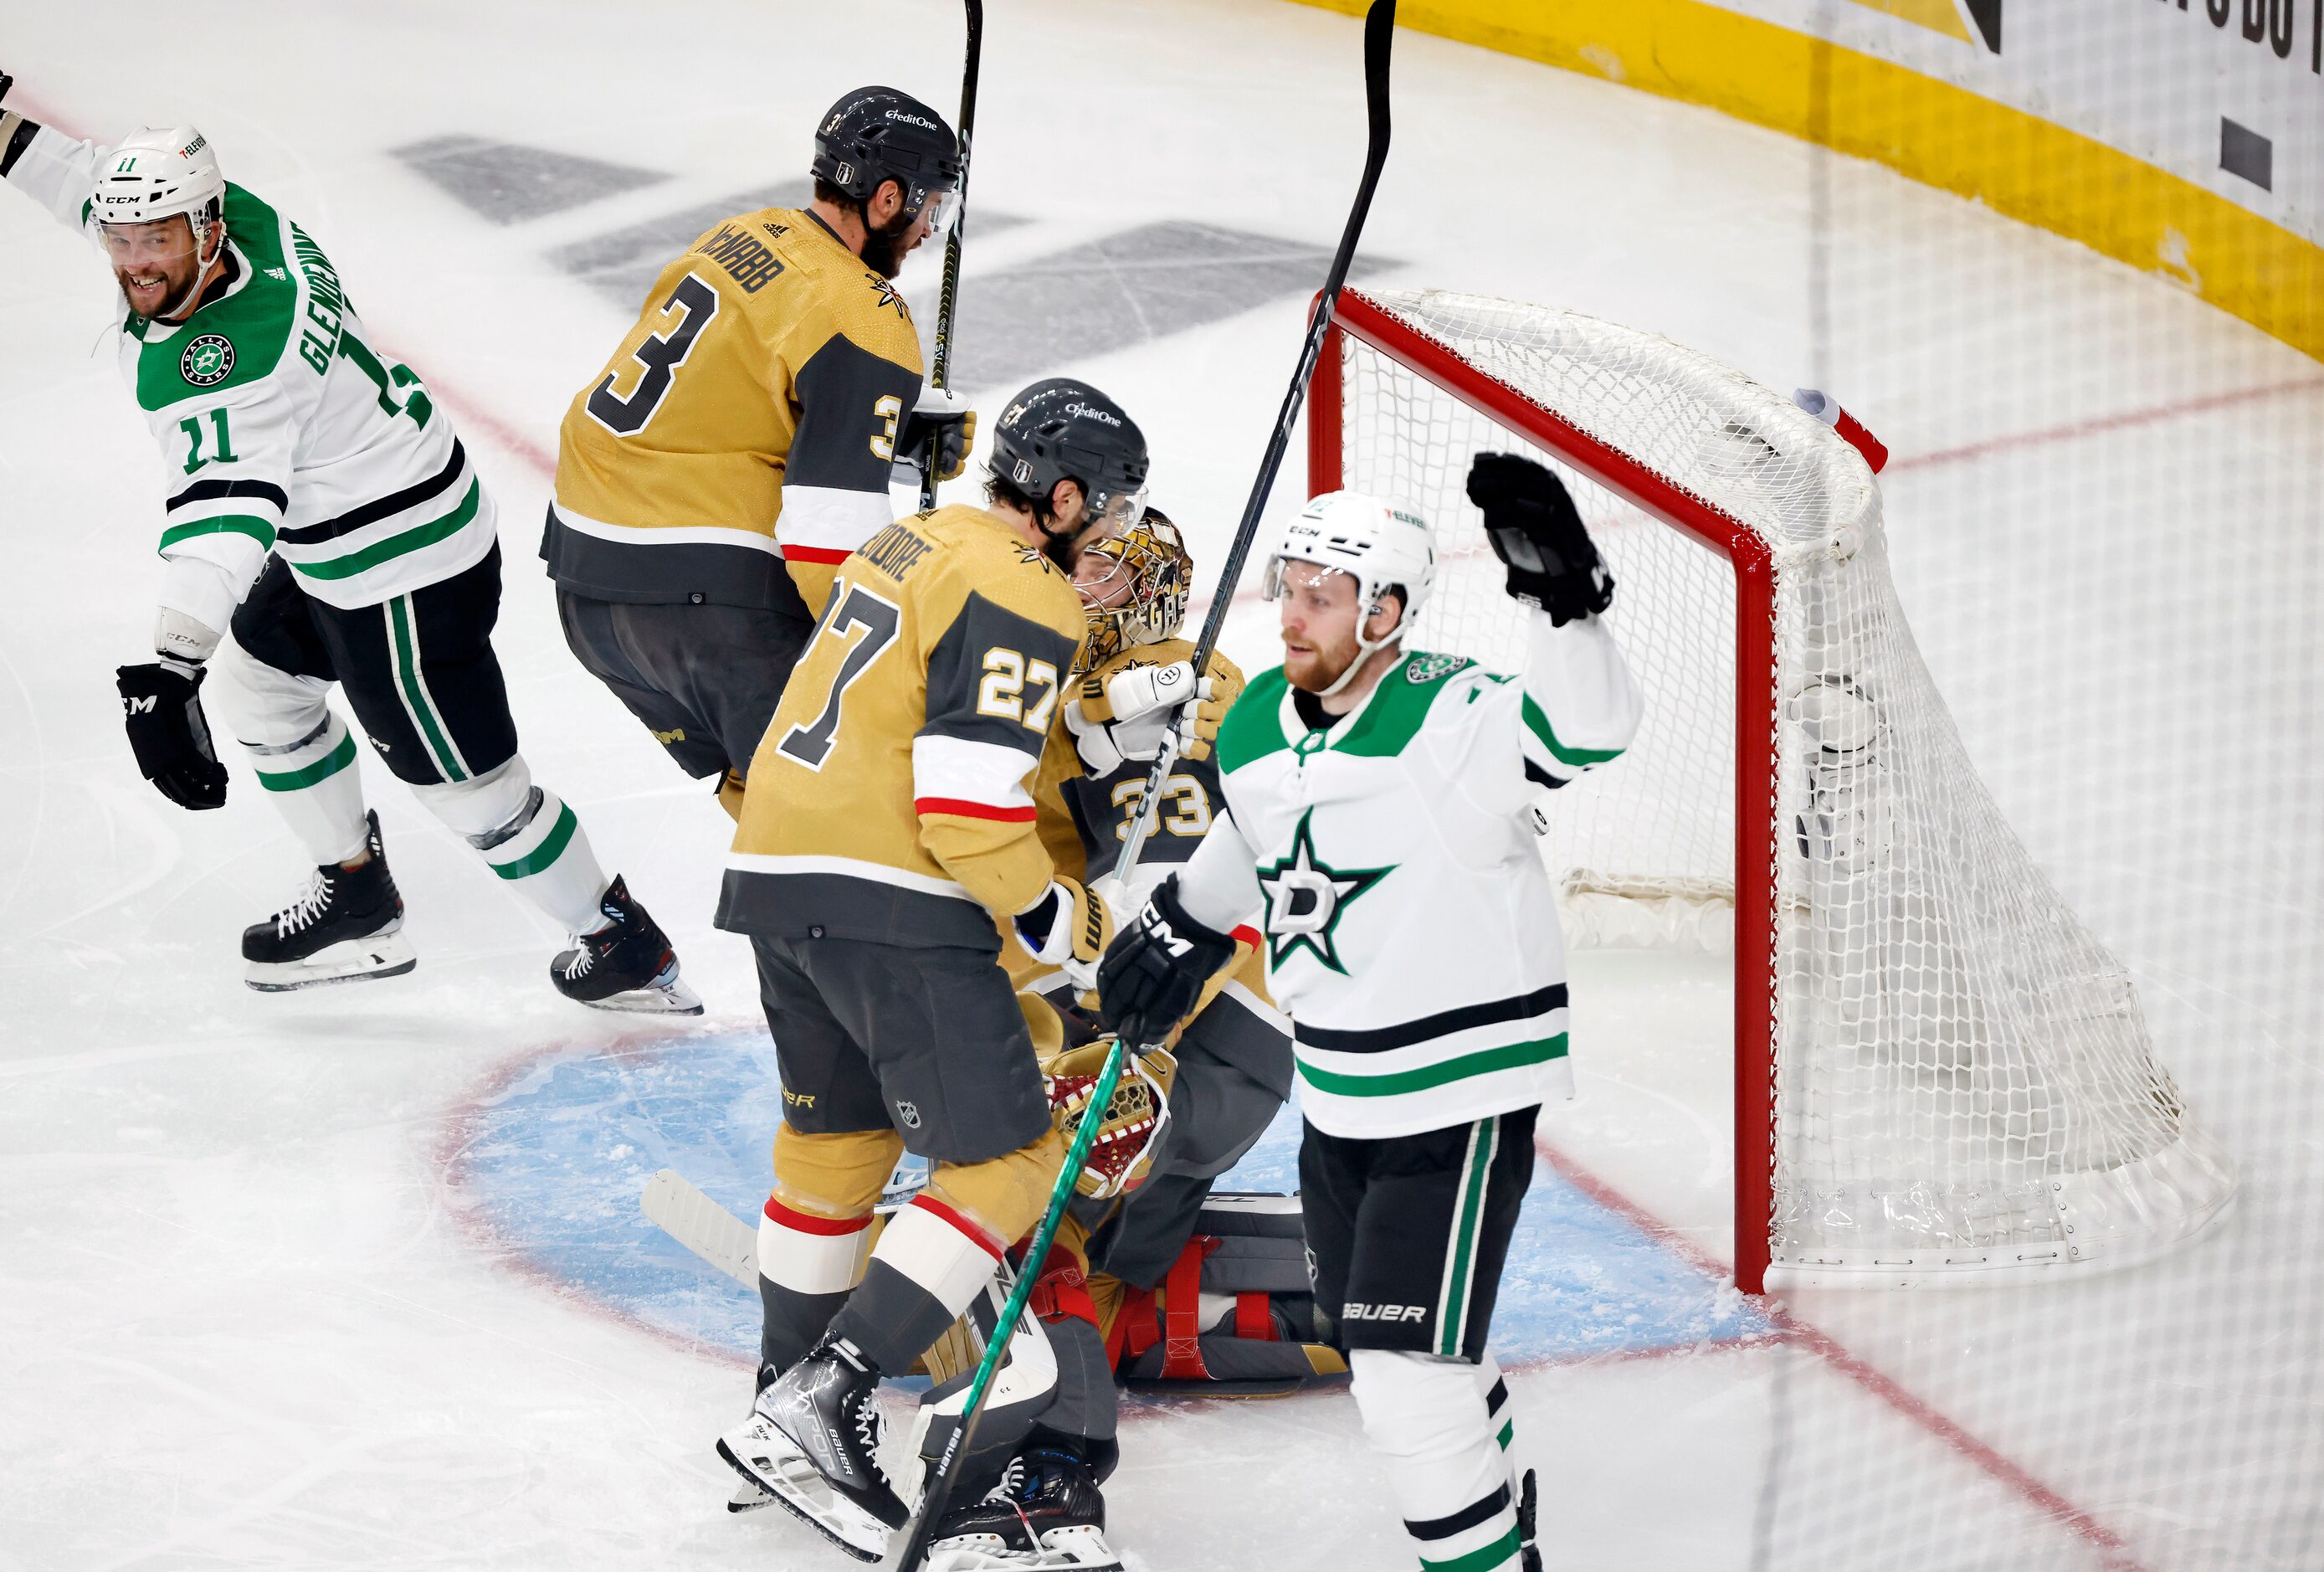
281, 428
1411, 927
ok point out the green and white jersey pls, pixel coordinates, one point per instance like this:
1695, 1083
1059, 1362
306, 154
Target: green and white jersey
281, 428
1411, 929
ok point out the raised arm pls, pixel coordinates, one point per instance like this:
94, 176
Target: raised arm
1580, 706
54, 170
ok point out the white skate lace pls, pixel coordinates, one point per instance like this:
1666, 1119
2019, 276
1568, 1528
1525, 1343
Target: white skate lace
1011, 1477
870, 1429
584, 958
308, 909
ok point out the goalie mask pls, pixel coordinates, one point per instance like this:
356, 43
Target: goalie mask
1134, 585
1129, 1131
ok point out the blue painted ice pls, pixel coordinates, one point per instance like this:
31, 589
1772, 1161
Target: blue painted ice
555, 1162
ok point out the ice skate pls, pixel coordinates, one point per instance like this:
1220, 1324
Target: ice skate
813, 1442
1045, 1514
344, 926
627, 965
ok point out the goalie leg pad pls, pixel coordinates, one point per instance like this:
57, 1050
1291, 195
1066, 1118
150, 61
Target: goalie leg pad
1425, 1416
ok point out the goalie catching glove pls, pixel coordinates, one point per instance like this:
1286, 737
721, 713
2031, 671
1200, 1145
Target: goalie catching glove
1152, 976
1130, 1131
162, 707
1068, 928
1126, 708
1535, 531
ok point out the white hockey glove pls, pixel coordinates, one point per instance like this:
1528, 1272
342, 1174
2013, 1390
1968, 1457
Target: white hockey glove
1127, 716
944, 418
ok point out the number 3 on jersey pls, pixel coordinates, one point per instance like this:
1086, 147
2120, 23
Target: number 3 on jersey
880, 620
661, 354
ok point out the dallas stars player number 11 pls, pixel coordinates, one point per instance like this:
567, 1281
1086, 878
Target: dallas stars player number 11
1377, 821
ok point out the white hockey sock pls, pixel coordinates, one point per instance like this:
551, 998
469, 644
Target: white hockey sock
303, 752
1427, 1419
529, 837
931, 1260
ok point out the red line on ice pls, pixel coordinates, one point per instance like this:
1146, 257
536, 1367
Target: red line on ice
1832, 1352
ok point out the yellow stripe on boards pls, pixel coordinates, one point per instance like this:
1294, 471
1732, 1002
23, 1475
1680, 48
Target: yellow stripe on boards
2015, 163
1938, 15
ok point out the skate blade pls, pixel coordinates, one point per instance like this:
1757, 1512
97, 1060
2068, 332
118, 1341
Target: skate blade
793, 1485
749, 1495
667, 995
351, 960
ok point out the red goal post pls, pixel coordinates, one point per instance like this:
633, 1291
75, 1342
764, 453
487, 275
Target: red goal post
1940, 1078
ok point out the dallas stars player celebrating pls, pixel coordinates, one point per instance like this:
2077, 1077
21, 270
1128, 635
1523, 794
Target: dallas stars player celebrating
738, 444
325, 511
1379, 819
888, 822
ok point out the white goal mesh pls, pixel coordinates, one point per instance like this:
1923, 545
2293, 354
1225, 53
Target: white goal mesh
1960, 1082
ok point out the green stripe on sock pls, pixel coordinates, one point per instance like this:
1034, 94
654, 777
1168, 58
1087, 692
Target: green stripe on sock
258, 529
394, 546
1484, 1061
546, 852
1502, 1552
407, 672
1538, 724
322, 768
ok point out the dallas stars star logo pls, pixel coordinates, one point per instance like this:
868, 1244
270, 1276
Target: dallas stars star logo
1305, 896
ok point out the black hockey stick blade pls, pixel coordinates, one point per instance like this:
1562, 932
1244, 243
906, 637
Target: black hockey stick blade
1380, 29
949, 298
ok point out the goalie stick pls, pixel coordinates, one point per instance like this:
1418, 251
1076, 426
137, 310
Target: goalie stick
1380, 23
948, 299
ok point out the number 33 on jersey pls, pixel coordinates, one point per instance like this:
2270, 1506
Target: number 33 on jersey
891, 798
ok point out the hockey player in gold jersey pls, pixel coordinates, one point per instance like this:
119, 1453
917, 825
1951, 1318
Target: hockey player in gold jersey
1124, 1285
889, 820
738, 444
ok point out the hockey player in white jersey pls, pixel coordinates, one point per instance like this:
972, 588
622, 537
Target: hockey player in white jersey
1377, 820
324, 524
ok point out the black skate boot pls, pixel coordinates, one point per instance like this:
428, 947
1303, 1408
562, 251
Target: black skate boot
813, 1442
343, 926
1047, 1515
626, 965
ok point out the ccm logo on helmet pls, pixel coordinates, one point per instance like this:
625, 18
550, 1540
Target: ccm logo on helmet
1355, 1311
1092, 412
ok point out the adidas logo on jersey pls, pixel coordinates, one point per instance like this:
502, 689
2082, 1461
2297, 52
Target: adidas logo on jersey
1354, 1311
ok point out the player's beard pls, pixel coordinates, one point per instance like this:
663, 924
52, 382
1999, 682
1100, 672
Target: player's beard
1317, 670
883, 249
176, 277
1063, 550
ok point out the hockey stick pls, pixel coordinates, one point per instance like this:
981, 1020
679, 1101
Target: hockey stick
672, 1204
948, 300
1380, 23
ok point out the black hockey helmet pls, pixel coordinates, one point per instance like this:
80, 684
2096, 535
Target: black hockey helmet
1064, 429
876, 134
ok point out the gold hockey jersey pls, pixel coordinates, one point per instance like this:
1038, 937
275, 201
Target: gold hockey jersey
745, 425
891, 796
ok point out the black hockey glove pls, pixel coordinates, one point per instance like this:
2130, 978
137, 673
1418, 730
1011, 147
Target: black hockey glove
1153, 975
942, 420
161, 705
1536, 533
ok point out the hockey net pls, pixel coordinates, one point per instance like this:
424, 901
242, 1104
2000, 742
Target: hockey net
1941, 1076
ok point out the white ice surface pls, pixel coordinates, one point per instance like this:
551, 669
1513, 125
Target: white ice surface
239, 1324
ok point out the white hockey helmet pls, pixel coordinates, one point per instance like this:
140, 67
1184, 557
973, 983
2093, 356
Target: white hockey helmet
159, 174
1382, 545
